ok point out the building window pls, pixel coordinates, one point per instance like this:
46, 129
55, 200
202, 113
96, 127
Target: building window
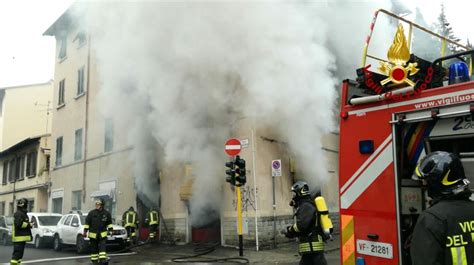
12, 208
31, 160
31, 205
17, 168
20, 167
78, 145
5, 172
57, 205
62, 88
59, 151
28, 165
11, 170
110, 205
80, 81
81, 39
2, 208
109, 135
76, 200
63, 48
48, 161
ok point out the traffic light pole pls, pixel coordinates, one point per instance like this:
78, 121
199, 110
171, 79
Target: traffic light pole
239, 221
236, 176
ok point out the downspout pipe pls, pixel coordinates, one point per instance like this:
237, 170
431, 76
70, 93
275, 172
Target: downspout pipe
254, 168
86, 121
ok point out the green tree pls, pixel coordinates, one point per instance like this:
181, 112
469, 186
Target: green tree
469, 44
445, 29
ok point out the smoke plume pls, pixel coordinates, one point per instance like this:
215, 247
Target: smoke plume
176, 75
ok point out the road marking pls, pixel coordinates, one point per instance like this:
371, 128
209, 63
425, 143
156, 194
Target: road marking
72, 257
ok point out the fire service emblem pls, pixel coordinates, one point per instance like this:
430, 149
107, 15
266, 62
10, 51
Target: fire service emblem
398, 55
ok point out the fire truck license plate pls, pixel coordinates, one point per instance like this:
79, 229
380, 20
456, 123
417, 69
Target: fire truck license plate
377, 249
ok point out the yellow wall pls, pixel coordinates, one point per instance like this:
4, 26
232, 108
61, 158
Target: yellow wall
100, 166
29, 187
24, 112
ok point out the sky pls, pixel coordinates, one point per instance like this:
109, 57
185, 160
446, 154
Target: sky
456, 13
27, 57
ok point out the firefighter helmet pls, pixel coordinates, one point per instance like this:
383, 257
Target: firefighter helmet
100, 201
443, 173
22, 203
300, 188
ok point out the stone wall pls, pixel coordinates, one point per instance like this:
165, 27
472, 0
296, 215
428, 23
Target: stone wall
173, 230
265, 230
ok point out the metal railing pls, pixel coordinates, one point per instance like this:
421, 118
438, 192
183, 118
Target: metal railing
443, 39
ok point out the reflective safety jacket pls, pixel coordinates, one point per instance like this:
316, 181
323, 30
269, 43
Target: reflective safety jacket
21, 229
153, 218
306, 227
444, 234
97, 223
129, 219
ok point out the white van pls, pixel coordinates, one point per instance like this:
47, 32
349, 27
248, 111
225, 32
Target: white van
44, 228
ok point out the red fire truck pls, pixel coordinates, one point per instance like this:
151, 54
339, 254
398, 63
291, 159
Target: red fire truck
390, 118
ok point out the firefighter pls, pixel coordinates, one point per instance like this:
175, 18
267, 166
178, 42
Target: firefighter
152, 221
130, 222
306, 227
99, 225
443, 232
21, 231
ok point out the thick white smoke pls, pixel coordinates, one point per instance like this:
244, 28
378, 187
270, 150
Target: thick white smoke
171, 72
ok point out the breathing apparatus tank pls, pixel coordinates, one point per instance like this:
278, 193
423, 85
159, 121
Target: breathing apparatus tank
323, 213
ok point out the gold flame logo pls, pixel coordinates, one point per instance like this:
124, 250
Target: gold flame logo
398, 56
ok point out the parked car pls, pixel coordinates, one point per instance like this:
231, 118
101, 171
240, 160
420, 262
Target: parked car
6, 223
69, 232
44, 228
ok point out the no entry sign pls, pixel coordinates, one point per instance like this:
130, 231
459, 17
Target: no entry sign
233, 147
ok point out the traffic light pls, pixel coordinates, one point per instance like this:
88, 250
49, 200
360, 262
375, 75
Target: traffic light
230, 172
240, 175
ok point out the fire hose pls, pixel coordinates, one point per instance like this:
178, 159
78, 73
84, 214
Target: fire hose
201, 249
206, 250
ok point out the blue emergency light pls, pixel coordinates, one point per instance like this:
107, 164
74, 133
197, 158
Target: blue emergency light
360, 261
366, 146
458, 73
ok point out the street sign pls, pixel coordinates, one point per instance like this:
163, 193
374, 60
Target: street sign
232, 147
244, 143
276, 168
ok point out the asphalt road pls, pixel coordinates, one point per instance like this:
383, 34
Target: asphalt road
32, 253
158, 254
67, 255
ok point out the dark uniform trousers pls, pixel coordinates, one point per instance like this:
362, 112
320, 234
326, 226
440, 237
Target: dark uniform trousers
313, 258
153, 229
98, 252
130, 232
18, 250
